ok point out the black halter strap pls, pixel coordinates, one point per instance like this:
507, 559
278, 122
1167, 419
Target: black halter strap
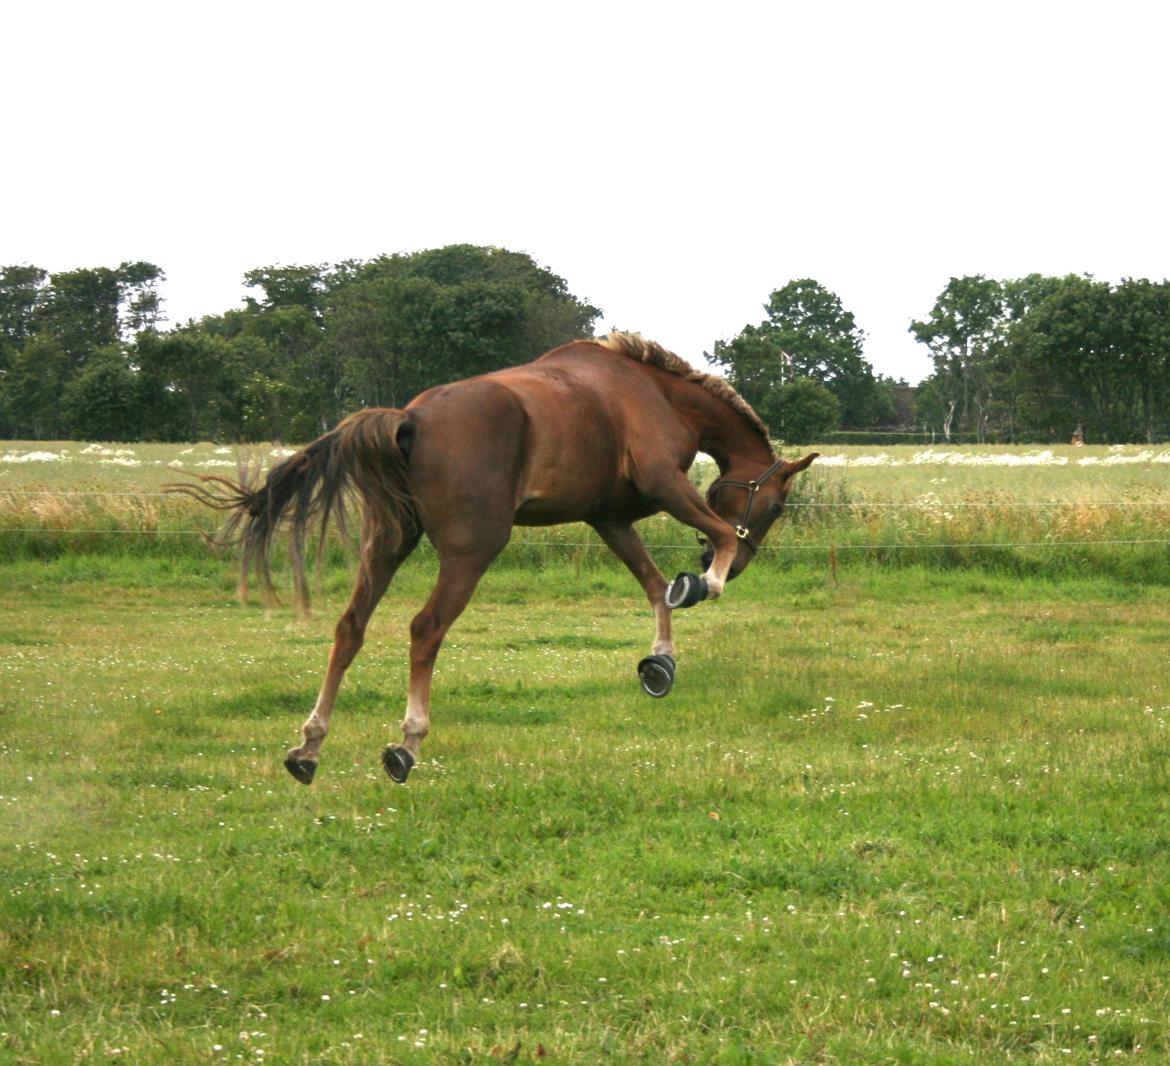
743, 530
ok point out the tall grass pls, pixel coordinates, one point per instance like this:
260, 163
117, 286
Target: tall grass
1024, 511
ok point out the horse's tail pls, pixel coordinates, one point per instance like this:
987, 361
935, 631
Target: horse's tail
362, 456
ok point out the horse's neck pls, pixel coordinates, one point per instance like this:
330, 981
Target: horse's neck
734, 445
721, 431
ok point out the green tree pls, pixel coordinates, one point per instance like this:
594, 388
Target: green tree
1142, 323
298, 355
1071, 365
932, 407
963, 334
139, 301
268, 407
807, 333
188, 379
801, 411
276, 347
103, 400
33, 385
384, 334
551, 314
292, 286
80, 310
400, 324
20, 292
755, 364
96, 307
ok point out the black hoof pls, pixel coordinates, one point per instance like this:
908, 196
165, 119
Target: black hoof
685, 591
657, 675
302, 769
398, 762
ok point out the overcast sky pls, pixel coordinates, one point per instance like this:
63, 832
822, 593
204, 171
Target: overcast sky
673, 162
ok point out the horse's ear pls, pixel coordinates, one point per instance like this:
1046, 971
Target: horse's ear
801, 464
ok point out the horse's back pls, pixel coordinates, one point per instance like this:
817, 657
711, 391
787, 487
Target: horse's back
550, 440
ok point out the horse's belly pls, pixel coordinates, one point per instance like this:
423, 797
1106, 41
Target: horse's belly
620, 501
545, 512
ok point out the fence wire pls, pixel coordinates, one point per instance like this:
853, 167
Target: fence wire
765, 549
910, 505
774, 548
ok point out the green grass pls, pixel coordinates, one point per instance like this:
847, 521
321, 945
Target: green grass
911, 815
906, 803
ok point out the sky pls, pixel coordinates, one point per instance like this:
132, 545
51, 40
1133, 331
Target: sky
674, 162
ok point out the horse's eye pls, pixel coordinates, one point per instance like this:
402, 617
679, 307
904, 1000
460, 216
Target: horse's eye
775, 509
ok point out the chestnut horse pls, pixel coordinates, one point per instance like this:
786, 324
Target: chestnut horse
597, 431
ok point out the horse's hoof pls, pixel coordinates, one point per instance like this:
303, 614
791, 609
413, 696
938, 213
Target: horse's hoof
302, 769
398, 762
657, 675
685, 591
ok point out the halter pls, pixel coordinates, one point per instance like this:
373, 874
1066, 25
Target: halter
742, 530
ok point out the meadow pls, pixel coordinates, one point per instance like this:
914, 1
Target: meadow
907, 802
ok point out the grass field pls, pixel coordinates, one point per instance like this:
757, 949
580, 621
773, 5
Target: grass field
908, 809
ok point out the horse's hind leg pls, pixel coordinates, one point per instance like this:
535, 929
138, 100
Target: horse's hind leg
458, 576
377, 569
657, 670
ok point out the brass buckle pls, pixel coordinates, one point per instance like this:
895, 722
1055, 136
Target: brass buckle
742, 532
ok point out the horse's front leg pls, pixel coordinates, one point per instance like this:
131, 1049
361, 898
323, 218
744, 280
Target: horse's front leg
682, 501
458, 576
656, 671
374, 576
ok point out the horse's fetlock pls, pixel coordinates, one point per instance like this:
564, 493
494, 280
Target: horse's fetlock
314, 729
415, 728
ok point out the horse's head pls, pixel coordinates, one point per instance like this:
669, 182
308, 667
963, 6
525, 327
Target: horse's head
751, 505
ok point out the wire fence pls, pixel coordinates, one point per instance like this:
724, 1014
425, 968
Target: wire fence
851, 508
877, 505
582, 545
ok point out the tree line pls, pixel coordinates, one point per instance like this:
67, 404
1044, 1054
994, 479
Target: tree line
83, 354
1048, 358
1035, 359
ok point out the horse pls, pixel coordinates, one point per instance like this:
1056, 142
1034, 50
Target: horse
600, 431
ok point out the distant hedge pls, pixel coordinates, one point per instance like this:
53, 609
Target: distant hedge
877, 436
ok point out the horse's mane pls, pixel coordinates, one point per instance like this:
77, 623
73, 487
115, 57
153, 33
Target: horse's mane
637, 347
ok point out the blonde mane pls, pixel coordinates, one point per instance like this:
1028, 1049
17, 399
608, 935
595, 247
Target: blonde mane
637, 347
